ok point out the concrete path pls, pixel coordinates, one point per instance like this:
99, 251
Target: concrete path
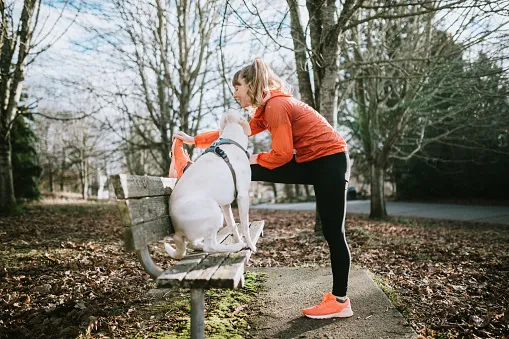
488, 214
289, 290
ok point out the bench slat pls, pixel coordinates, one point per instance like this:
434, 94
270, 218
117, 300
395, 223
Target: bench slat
223, 235
174, 275
199, 276
255, 230
138, 236
214, 270
137, 186
137, 211
231, 272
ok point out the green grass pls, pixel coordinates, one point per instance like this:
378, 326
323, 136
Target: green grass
225, 310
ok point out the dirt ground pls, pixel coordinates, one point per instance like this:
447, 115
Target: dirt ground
64, 273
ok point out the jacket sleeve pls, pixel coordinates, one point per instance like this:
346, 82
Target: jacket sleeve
257, 126
204, 140
277, 114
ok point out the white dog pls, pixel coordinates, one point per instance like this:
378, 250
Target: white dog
205, 193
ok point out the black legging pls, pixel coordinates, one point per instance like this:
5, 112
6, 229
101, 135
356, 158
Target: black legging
329, 176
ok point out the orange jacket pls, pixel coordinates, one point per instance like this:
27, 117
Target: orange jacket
293, 126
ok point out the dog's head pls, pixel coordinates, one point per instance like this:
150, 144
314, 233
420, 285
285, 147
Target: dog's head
233, 116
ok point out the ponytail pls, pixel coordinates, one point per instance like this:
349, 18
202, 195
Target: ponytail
260, 79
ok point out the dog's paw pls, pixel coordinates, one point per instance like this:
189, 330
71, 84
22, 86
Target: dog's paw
240, 246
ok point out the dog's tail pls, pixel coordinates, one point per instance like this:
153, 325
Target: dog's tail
180, 251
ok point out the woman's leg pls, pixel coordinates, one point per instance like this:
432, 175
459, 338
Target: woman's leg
290, 173
331, 175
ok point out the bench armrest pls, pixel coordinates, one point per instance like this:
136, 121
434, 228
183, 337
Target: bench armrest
148, 264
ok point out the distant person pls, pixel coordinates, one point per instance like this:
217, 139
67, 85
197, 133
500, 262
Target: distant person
306, 149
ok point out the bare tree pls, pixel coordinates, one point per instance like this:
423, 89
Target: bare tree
401, 68
327, 24
49, 147
317, 44
81, 144
162, 52
69, 159
18, 48
330, 23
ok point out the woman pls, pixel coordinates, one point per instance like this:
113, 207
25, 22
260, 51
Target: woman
305, 150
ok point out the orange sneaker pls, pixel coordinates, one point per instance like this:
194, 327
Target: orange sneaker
329, 308
179, 159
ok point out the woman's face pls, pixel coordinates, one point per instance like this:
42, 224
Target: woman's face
240, 94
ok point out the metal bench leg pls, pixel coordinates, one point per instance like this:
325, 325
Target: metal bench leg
147, 262
197, 313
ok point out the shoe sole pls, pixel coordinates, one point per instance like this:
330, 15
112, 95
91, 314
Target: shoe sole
347, 312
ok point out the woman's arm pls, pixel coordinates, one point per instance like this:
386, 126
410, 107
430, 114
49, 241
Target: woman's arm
203, 140
257, 126
277, 114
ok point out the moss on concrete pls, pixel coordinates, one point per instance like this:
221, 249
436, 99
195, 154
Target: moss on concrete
226, 311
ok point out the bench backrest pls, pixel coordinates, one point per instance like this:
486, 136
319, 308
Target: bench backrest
143, 204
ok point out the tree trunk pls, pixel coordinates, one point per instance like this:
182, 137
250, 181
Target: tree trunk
274, 188
378, 210
85, 181
325, 27
165, 154
297, 191
329, 86
315, 33
162, 90
50, 178
308, 194
84, 175
11, 84
7, 198
290, 194
329, 95
299, 49
62, 171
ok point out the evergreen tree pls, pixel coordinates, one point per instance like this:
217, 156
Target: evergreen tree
471, 163
26, 169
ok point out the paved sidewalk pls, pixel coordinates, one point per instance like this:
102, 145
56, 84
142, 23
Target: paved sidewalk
488, 214
289, 290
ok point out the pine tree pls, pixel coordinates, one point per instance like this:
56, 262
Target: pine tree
26, 169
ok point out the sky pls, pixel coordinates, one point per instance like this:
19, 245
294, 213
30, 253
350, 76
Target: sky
72, 57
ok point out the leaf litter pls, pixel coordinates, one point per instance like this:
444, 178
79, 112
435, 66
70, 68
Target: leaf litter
64, 273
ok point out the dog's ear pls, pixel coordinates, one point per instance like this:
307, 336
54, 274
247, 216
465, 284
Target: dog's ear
245, 125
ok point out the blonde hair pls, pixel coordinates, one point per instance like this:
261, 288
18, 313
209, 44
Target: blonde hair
260, 79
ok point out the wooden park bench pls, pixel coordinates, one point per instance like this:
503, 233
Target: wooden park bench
143, 202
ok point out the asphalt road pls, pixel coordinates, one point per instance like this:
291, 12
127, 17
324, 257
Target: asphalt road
487, 214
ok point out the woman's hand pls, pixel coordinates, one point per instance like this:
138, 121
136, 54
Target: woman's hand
252, 159
184, 137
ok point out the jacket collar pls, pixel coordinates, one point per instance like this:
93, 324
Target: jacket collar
273, 94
